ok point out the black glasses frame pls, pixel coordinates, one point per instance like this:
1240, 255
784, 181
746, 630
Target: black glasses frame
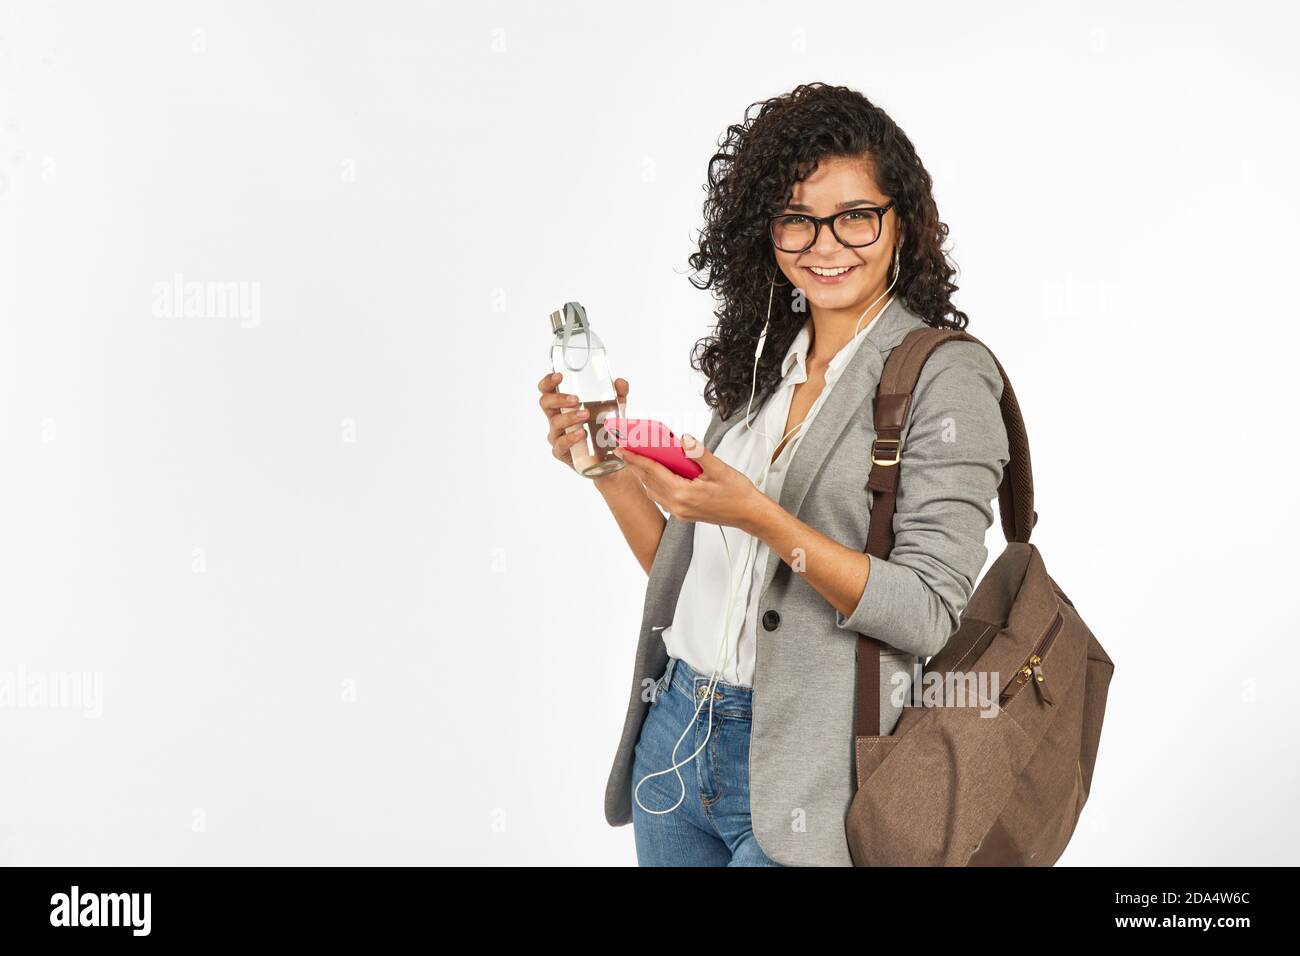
819, 221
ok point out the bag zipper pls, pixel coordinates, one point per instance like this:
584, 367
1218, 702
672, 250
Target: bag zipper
1032, 670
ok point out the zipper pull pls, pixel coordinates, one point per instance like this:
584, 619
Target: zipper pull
1036, 668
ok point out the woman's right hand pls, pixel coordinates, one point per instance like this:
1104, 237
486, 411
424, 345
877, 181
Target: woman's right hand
561, 413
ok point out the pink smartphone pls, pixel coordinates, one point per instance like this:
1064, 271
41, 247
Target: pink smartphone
645, 436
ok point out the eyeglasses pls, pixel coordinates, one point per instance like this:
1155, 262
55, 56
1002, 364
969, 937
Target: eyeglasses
857, 227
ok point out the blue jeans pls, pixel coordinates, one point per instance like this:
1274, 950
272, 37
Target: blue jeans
711, 826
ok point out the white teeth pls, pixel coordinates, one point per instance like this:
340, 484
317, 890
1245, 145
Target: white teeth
830, 272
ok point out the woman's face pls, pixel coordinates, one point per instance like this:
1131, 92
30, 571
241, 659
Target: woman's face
840, 183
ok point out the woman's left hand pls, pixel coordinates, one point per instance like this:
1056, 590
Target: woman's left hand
721, 495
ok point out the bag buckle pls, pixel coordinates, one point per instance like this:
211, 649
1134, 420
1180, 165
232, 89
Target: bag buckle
898, 451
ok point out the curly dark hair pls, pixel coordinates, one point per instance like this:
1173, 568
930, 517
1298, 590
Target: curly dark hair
752, 177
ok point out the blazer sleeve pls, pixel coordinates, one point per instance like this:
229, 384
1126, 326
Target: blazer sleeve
954, 452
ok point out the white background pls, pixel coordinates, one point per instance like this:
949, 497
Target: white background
413, 188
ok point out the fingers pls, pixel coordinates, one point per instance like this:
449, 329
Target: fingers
551, 400
562, 443
652, 474
562, 421
621, 387
636, 464
699, 453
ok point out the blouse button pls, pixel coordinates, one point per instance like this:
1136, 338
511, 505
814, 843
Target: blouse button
771, 620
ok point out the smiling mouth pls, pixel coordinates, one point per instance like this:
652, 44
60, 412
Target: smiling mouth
829, 273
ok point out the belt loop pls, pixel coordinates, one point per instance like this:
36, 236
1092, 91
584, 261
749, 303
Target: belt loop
668, 673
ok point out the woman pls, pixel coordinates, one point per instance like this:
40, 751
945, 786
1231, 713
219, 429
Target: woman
824, 245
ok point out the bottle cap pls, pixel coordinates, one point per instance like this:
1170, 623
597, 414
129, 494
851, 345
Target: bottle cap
578, 313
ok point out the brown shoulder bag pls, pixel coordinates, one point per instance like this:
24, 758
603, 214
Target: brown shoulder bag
957, 783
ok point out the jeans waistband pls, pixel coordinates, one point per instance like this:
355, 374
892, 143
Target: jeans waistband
690, 682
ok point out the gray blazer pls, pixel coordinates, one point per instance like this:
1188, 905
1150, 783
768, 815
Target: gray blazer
801, 749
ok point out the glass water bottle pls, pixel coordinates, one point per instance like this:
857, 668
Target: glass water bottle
578, 354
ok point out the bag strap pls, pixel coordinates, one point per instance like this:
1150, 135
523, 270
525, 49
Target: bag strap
1015, 494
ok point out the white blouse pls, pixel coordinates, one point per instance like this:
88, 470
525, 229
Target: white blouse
700, 633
